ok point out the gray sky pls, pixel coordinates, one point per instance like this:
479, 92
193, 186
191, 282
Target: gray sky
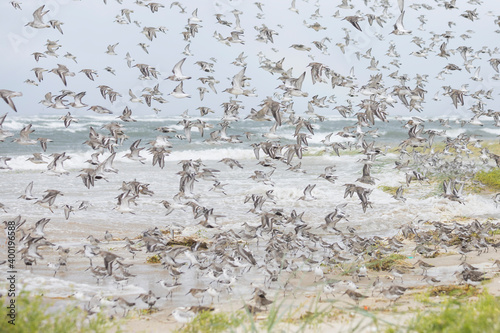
90, 26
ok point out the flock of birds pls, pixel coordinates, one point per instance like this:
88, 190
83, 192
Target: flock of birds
265, 258
283, 242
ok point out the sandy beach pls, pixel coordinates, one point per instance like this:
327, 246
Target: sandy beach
300, 301
373, 313
241, 166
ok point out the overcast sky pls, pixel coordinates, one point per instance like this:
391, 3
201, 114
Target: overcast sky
89, 26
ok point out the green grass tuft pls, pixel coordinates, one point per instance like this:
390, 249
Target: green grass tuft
389, 189
454, 290
456, 316
154, 259
214, 322
189, 242
489, 178
33, 314
386, 263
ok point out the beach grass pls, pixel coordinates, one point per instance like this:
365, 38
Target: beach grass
34, 314
154, 259
491, 178
454, 290
386, 263
389, 189
312, 317
459, 316
214, 322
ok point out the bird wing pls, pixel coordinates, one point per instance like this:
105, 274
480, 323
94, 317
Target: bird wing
178, 68
238, 79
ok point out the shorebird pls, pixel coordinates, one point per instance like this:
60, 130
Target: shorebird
38, 15
238, 83
169, 287
399, 194
430, 279
451, 191
179, 92
425, 266
56, 24
334, 217
108, 236
393, 293
109, 259
89, 73
197, 293
89, 251
123, 303
39, 226
7, 96
3, 133
77, 103
124, 200
318, 273
38, 55
48, 200
54, 266
3, 162
94, 241
354, 21
126, 115
30, 251
399, 28
177, 71
16, 4
260, 298
396, 273
307, 193
183, 315
43, 143
28, 192
329, 288
135, 152
496, 199
62, 71
213, 293
67, 211
37, 158
355, 296
56, 166
366, 177
39, 73
150, 299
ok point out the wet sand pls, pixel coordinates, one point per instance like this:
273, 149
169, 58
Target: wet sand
303, 293
308, 295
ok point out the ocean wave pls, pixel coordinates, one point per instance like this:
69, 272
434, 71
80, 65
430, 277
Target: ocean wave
211, 154
494, 131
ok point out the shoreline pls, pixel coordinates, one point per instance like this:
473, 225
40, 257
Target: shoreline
373, 311
306, 301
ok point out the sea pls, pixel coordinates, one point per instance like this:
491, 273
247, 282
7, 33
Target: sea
383, 217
